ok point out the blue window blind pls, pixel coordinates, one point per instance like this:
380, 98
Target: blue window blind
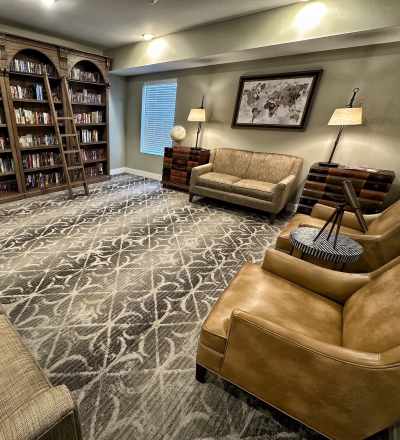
158, 116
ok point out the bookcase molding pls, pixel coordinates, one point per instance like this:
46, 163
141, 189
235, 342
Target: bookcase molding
63, 60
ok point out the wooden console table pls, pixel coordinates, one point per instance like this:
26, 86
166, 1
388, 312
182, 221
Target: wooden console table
324, 185
178, 164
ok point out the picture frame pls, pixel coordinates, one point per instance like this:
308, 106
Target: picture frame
281, 100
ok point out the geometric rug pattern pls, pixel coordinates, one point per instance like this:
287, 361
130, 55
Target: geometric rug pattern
109, 292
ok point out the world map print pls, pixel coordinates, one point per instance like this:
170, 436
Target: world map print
275, 101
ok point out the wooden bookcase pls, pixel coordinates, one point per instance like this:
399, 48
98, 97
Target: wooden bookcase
32, 153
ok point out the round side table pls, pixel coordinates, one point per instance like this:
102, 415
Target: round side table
347, 250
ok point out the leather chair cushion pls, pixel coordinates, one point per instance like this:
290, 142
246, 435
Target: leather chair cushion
272, 298
283, 241
220, 181
254, 188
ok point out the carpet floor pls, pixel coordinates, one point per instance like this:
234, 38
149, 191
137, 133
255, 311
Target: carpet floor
110, 291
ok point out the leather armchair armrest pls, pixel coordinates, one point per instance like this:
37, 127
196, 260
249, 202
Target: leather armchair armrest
302, 376
323, 212
338, 286
259, 328
40, 415
198, 171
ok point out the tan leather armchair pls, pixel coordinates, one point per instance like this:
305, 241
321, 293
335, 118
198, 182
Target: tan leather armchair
320, 345
381, 243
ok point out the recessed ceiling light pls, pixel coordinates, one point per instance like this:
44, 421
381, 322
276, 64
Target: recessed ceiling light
48, 3
147, 37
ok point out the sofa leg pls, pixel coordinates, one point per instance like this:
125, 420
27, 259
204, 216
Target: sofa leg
200, 373
191, 195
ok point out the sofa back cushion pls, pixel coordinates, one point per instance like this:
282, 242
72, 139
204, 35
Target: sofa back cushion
273, 168
389, 219
231, 161
371, 316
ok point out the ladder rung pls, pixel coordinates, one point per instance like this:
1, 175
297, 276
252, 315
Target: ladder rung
64, 118
71, 151
76, 167
69, 135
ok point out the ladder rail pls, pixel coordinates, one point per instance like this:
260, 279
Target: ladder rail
72, 139
69, 118
57, 130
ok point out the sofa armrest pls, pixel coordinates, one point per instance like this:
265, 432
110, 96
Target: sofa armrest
38, 417
283, 191
323, 212
198, 171
338, 286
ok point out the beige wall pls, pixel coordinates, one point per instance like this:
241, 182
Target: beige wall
374, 69
117, 121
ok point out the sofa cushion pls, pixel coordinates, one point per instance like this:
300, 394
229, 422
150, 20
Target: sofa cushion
220, 181
269, 167
272, 298
254, 188
231, 161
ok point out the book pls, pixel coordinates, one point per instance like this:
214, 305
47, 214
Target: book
31, 117
34, 140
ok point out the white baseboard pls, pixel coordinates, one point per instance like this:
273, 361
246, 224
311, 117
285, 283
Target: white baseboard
116, 171
142, 173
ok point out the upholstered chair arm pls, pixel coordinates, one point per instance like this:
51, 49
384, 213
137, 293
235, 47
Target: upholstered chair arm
283, 191
323, 212
301, 375
198, 171
338, 286
49, 412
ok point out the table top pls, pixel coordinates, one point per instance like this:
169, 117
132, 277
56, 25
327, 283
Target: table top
347, 250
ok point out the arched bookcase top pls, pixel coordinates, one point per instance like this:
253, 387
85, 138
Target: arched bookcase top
32, 61
87, 71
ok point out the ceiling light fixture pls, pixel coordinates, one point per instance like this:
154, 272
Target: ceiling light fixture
48, 3
147, 37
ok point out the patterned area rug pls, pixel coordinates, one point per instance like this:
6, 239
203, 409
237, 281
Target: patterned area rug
109, 291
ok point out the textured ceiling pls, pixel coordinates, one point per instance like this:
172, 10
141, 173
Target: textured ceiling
113, 23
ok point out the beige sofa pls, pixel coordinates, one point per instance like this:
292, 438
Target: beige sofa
30, 408
263, 181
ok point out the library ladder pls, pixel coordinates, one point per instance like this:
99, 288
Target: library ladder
71, 155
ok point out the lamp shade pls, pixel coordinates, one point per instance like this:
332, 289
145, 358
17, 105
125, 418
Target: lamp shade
197, 115
347, 116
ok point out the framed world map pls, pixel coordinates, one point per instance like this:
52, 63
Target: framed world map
275, 101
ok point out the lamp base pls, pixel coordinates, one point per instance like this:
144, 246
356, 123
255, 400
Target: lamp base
328, 164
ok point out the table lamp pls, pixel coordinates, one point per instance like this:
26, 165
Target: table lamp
343, 117
198, 115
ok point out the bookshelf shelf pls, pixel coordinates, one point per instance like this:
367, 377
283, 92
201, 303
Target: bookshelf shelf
90, 144
49, 167
89, 162
100, 124
32, 75
6, 151
87, 104
11, 173
40, 147
3, 125
87, 83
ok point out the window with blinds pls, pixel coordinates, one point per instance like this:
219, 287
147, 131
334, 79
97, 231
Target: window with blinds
158, 116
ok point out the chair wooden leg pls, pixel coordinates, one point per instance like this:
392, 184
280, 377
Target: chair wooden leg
191, 197
200, 373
